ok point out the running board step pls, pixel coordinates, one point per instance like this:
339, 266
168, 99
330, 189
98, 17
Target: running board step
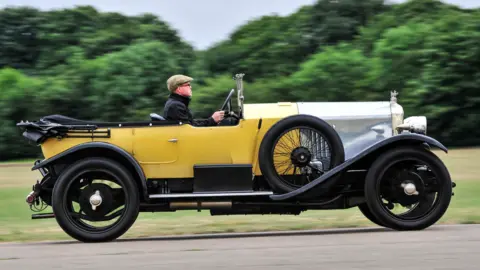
210, 194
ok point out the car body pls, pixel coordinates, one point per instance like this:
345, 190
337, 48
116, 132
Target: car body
333, 161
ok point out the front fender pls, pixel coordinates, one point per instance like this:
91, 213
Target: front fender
401, 139
103, 146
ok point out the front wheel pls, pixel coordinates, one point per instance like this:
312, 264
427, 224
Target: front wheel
408, 177
92, 193
368, 214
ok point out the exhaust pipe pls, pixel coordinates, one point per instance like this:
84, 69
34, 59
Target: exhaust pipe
200, 205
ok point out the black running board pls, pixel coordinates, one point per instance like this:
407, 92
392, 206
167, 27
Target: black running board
210, 195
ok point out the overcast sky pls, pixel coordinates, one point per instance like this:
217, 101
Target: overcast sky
200, 22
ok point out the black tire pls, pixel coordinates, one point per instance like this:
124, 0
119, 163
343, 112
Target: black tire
61, 204
368, 214
428, 211
266, 161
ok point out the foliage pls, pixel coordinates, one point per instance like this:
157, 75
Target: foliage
93, 65
448, 88
273, 46
335, 74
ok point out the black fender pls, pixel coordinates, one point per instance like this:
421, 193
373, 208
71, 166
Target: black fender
100, 145
401, 139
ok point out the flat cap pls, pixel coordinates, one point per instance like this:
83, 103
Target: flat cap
176, 80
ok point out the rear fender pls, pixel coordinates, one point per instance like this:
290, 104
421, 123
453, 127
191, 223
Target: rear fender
401, 139
100, 149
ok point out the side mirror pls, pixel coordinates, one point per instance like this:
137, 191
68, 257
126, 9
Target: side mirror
156, 117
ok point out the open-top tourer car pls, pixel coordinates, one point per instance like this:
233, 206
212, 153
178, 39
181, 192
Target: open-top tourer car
272, 158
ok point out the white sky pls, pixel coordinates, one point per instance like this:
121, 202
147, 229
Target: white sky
200, 22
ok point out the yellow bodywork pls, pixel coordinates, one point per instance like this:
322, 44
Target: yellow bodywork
172, 151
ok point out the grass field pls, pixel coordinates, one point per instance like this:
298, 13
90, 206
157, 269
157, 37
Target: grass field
16, 224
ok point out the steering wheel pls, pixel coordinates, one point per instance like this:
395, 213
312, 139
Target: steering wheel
228, 103
227, 106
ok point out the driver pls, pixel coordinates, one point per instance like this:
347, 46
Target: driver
176, 107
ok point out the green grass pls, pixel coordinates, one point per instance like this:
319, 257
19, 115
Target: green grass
16, 223
17, 161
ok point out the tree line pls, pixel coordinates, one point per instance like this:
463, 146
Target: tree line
111, 67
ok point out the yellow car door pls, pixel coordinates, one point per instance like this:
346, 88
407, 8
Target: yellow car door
215, 145
156, 149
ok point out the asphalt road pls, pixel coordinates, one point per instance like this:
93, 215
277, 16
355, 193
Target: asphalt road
440, 247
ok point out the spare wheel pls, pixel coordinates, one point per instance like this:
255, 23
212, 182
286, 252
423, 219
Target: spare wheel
297, 150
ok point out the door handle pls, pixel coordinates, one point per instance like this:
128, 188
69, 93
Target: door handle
173, 140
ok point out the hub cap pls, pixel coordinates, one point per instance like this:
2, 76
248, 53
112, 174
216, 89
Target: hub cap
410, 189
409, 185
95, 200
301, 156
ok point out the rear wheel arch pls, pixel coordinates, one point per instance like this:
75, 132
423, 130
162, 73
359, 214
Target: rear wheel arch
98, 149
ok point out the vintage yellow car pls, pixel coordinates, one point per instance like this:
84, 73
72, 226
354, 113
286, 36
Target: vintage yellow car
275, 158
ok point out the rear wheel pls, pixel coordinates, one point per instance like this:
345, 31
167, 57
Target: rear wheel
411, 179
95, 200
297, 150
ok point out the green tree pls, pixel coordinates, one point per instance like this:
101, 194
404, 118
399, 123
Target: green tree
447, 91
131, 83
18, 100
110, 67
409, 12
397, 61
20, 31
274, 46
336, 74
38, 41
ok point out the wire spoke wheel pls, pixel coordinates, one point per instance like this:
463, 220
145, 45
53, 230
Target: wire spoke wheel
300, 155
297, 150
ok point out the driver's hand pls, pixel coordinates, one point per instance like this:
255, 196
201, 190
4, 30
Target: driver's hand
218, 116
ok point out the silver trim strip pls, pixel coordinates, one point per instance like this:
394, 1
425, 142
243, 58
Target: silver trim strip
211, 194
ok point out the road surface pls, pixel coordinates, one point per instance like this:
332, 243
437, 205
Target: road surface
440, 247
